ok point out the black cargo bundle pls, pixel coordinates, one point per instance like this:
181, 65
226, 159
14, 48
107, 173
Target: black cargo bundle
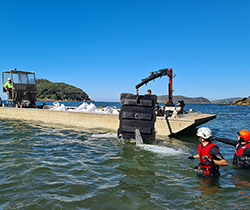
137, 112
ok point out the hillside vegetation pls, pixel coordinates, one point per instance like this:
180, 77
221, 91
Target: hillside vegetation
164, 98
48, 90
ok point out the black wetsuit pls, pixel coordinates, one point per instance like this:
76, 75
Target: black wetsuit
233, 143
246, 152
215, 153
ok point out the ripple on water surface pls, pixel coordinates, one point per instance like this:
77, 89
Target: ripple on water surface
48, 167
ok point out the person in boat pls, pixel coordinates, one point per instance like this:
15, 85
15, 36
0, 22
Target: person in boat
149, 91
158, 110
8, 85
209, 154
181, 104
241, 156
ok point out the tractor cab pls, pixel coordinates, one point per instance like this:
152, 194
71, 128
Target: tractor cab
20, 87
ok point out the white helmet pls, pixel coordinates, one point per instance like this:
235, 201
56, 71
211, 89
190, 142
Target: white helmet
204, 132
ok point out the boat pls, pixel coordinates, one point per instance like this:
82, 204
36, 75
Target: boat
21, 106
142, 112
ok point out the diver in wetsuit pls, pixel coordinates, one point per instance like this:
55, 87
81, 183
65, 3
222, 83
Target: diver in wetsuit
241, 156
209, 154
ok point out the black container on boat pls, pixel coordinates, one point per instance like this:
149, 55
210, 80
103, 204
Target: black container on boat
137, 112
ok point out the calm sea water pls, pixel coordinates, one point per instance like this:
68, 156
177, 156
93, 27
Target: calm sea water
54, 167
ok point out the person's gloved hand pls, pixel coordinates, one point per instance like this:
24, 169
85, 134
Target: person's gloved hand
191, 157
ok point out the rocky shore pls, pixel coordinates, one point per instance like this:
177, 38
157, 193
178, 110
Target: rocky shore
243, 101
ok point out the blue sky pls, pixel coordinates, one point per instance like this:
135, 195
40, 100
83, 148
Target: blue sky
107, 47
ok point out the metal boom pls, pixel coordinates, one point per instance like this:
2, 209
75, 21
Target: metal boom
157, 74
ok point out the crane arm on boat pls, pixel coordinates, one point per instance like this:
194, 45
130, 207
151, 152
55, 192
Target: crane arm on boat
157, 74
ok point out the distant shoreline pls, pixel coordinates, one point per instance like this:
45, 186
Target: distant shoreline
117, 101
65, 100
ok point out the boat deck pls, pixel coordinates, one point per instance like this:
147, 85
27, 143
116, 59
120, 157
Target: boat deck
164, 126
169, 126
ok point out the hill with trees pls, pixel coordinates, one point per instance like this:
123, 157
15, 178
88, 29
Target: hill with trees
47, 90
164, 98
225, 100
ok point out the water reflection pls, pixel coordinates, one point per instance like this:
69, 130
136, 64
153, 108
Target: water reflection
208, 186
45, 167
240, 178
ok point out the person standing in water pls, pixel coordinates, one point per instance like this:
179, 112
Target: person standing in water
209, 154
241, 156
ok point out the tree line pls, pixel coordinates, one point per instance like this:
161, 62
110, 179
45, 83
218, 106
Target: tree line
48, 90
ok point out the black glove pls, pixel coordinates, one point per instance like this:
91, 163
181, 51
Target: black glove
191, 157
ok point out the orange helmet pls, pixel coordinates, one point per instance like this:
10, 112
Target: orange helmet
244, 134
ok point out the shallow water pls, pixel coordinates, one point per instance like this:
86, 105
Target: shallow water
52, 167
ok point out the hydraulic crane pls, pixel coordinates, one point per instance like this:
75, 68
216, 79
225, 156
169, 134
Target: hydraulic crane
157, 74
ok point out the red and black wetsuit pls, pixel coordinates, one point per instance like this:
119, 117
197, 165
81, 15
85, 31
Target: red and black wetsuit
212, 152
241, 153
